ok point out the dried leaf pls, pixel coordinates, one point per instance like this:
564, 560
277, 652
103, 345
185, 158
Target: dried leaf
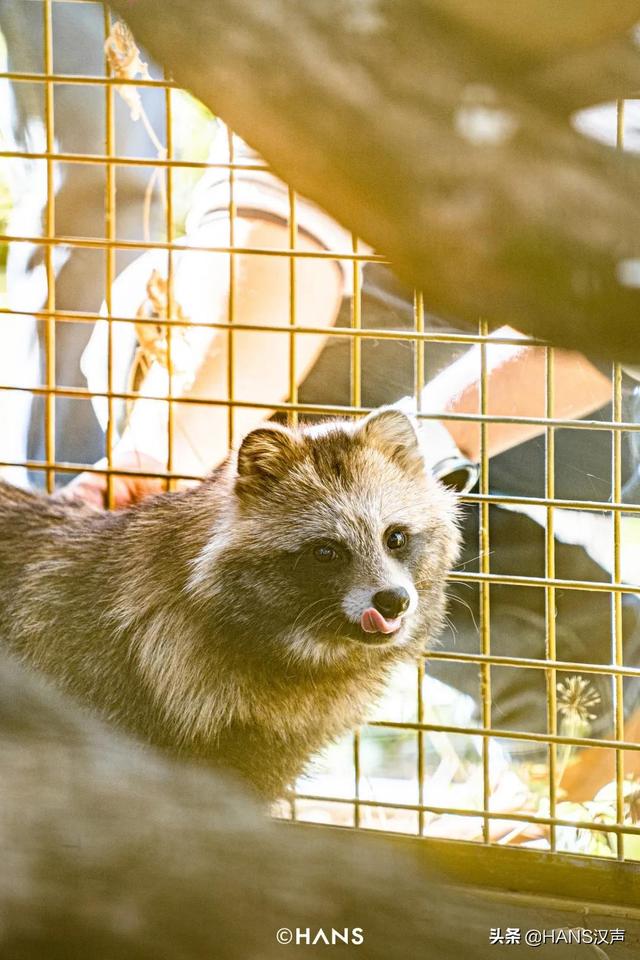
153, 338
125, 62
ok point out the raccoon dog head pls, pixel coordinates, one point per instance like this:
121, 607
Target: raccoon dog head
338, 540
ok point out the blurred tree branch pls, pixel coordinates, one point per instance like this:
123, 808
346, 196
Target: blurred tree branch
438, 132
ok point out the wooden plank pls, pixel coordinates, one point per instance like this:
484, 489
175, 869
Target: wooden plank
608, 887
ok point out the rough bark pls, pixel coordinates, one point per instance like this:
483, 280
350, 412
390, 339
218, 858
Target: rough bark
544, 28
427, 138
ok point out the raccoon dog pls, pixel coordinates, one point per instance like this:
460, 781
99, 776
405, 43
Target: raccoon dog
251, 619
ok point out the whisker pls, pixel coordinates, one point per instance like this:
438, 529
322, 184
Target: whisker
311, 605
452, 627
463, 603
462, 583
463, 563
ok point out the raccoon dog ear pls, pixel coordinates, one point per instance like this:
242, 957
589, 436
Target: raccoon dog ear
393, 432
265, 456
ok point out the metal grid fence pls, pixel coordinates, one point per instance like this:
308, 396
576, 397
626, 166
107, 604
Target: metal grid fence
426, 809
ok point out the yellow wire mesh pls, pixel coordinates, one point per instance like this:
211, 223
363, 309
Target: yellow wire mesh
413, 817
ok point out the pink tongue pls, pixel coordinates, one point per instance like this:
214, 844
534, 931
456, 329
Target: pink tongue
372, 621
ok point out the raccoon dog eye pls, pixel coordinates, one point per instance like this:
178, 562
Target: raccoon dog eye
396, 539
324, 553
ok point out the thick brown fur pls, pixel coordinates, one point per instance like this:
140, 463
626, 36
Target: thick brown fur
201, 622
109, 852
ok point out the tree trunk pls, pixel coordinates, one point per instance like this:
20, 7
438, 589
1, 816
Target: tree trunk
440, 140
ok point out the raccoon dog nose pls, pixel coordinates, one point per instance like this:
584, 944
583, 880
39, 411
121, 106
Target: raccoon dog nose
391, 603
